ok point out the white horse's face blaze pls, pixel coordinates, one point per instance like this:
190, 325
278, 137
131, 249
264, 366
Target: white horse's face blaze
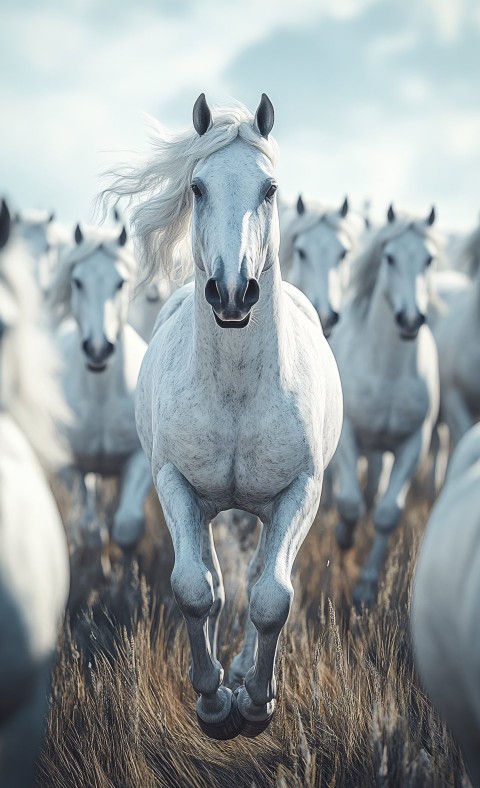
235, 229
319, 269
100, 297
404, 277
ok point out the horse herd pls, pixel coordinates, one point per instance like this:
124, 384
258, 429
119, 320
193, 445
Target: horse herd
308, 351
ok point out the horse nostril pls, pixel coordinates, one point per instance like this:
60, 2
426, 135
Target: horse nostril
400, 318
335, 318
86, 346
211, 293
252, 293
109, 348
422, 319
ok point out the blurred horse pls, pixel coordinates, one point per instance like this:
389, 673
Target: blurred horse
89, 297
457, 334
389, 371
446, 591
239, 399
34, 570
315, 252
44, 239
146, 304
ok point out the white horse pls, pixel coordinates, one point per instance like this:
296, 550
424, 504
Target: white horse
446, 592
239, 398
315, 252
389, 371
44, 238
457, 334
34, 569
102, 356
147, 303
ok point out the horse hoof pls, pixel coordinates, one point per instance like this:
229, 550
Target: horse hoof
253, 728
344, 536
365, 595
229, 728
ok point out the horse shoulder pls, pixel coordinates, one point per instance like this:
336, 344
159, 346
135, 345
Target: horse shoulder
302, 302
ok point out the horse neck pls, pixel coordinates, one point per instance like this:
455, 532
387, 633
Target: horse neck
388, 353
235, 359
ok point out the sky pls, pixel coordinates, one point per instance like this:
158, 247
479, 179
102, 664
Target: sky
377, 99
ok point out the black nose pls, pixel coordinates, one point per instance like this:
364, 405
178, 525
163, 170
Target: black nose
410, 324
228, 305
98, 352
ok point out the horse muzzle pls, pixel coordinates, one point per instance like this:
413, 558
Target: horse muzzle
97, 352
232, 309
328, 321
409, 324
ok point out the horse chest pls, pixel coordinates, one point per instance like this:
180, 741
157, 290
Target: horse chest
385, 411
104, 434
232, 458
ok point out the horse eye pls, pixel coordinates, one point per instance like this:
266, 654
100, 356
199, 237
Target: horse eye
343, 254
77, 283
271, 192
120, 284
301, 254
196, 190
390, 259
429, 260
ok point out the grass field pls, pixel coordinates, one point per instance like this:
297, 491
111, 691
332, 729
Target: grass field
350, 711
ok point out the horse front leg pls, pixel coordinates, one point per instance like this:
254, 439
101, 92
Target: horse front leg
187, 517
350, 503
243, 661
286, 525
129, 519
386, 516
212, 563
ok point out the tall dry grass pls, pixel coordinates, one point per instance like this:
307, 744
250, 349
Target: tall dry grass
350, 711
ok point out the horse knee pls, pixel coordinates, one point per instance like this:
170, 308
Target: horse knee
386, 517
193, 590
270, 603
128, 528
350, 508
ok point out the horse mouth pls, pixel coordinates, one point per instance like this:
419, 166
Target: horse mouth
409, 336
232, 323
92, 367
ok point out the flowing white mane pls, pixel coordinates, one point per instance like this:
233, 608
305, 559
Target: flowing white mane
468, 253
29, 390
366, 265
351, 224
161, 219
60, 291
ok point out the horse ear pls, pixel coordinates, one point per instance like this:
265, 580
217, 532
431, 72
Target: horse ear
431, 217
344, 208
202, 117
51, 217
78, 235
300, 205
391, 214
264, 116
5, 223
122, 238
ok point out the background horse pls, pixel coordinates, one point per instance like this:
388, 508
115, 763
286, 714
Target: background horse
446, 590
316, 248
34, 570
239, 399
388, 367
102, 355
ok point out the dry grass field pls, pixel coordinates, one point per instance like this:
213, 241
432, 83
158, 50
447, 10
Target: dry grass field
350, 710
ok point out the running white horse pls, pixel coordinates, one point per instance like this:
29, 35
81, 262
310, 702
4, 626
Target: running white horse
239, 399
34, 569
389, 370
315, 253
102, 356
446, 591
457, 334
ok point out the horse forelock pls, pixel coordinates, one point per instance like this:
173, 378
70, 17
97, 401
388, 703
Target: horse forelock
161, 218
